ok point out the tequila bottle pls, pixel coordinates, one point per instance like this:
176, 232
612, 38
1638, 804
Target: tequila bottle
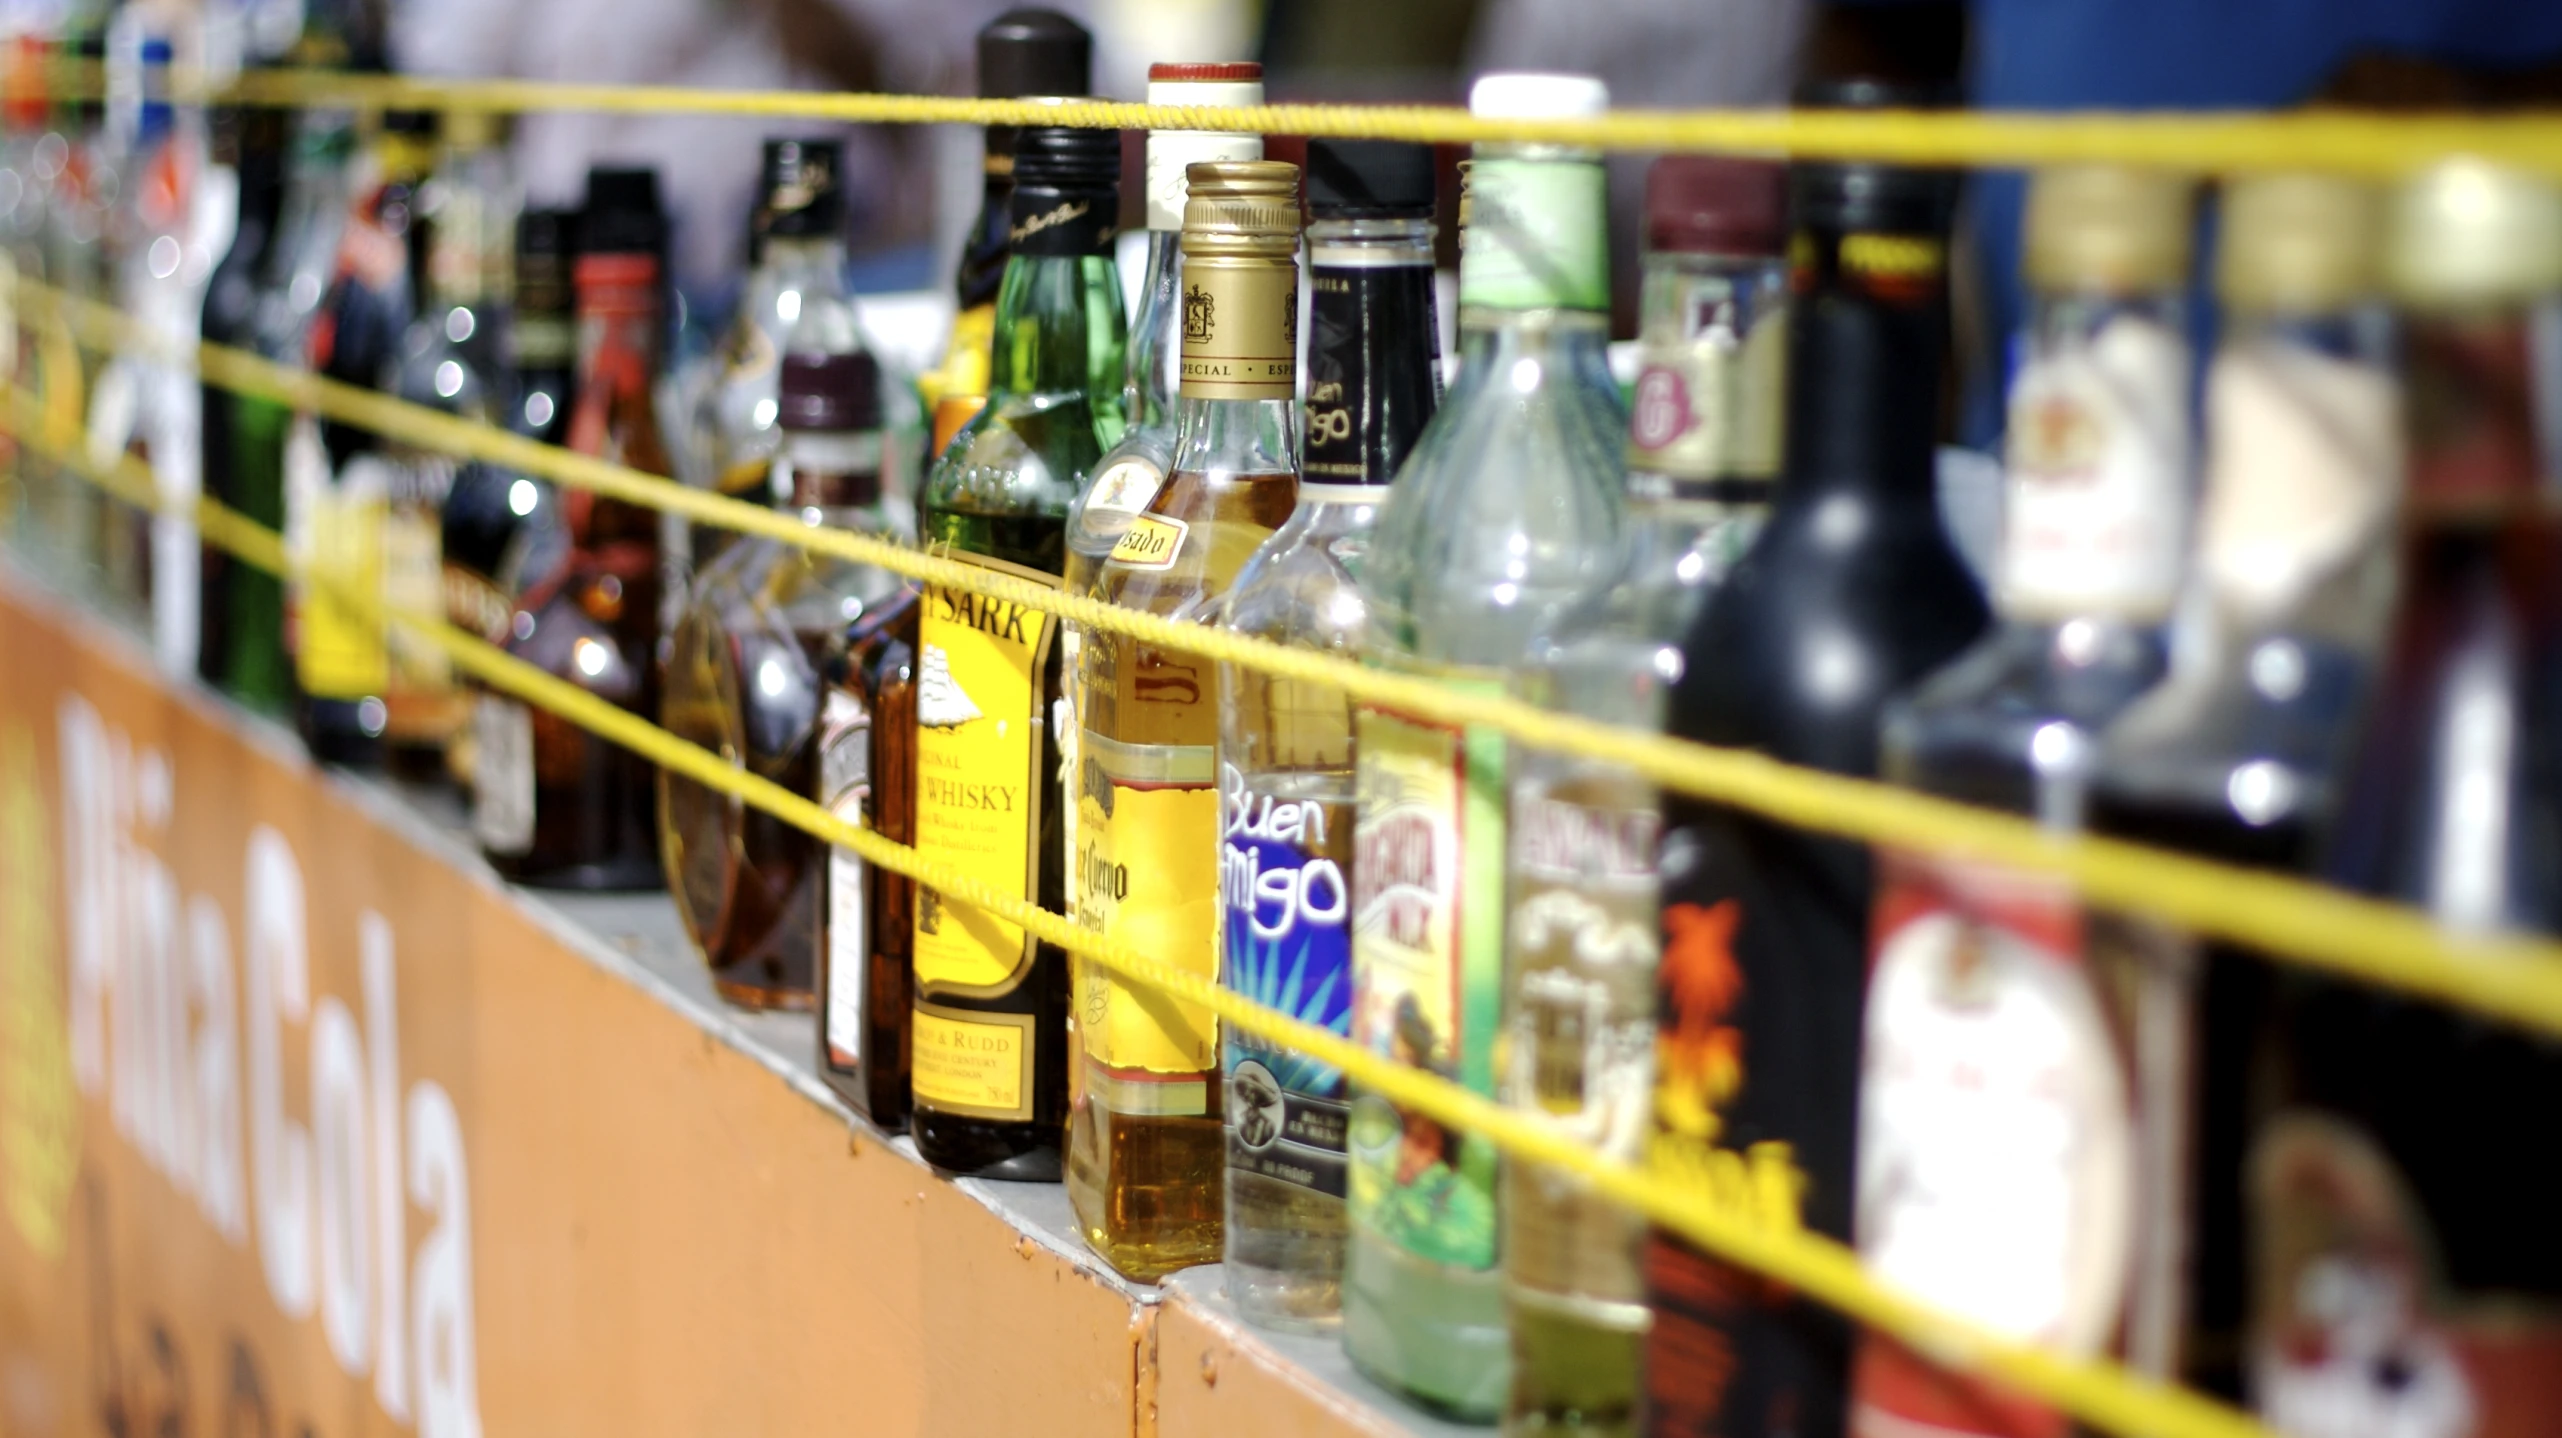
1285, 748
1508, 509
988, 1064
1145, 1145
1581, 934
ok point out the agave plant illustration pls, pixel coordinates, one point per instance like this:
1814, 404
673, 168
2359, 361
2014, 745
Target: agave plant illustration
1277, 976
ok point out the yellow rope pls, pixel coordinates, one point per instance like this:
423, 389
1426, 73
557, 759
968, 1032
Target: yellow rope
2514, 977
2207, 142
2101, 1393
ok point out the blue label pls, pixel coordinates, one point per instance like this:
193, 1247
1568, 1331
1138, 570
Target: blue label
1285, 900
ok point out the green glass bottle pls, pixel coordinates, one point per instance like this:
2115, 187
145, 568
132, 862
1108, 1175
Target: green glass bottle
990, 1062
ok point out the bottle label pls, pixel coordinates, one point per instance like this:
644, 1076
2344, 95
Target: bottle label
502, 810
2303, 466
1535, 237
1171, 152
977, 1064
1427, 954
335, 532
1285, 911
1996, 1162
1126, 486
1147, 830
979, 770
1707, 405
845, 787
2098, 472
1051, 224
1240, 329
1371, 378
1151, 542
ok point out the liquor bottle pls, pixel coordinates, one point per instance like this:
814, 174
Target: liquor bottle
1851, 592
798, 251
2402, 1275
1029, 52
236, 598
1508, 509
1991, 1027
748, 675
1145, 1143
867, 925
1581, 932
349, 509
2235, 755
1285, 747
989, 1072
553, 804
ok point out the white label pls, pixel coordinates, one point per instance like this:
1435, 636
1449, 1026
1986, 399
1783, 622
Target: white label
2303, 462
845, 783
1126, 488
502, 811
2098, 458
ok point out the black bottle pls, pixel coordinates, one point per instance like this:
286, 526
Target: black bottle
234, 595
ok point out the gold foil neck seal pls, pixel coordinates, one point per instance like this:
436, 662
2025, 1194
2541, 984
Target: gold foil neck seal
2468, 232
2297, 243
1242, 208
2111, 229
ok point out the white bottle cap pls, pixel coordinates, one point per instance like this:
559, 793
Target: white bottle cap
1521, 96
1170, 152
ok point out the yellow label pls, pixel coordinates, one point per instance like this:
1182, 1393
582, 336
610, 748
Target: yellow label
1405, 931
339, 651
1147, 875
979, 1065
979, 770
1151, 542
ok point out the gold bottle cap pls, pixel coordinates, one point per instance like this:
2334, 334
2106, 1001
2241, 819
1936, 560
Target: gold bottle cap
470, 129
2297, 243
2111, 229
1242, 208
2468, 232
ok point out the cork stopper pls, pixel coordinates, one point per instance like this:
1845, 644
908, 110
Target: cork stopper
2107, 229
1242, 208
2468, 233
2297, 243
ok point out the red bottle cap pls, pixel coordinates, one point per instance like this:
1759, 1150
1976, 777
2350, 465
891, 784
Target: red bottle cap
1715, 204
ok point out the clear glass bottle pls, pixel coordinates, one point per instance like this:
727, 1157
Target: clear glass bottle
1145, 1144
1508, 509
1987, 1013
988, 1071
1580, 935
1285, 748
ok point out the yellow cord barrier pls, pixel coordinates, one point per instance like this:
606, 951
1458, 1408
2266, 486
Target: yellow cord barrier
2513, 977
2103, 1394
2209, 142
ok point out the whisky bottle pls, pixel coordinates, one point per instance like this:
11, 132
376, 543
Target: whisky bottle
1581, 932
1509, 508
1285, 747
988, 1066
1145, 1146
867, 922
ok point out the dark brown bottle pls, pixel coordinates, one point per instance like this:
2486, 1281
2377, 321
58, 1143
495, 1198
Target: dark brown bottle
1851, 592
867, 921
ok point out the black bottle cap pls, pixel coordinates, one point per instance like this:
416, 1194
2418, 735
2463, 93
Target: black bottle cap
622, 216
1857, 196
1067, 190
1369, 180
411, 122
830, 393
802, 198
1033, 51
1061, 157
546, 233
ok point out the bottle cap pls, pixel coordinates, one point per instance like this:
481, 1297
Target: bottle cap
1170, 152
622, 214
471, 129
1033, 51
1852, 197
1716, 205
1369, 180
2297, 243
1067, 190
2471, 233
1203, 72
2107, 228
1242, 208
801, 198
1064, 157
410, 122
1518, 95
827, 393
546, 233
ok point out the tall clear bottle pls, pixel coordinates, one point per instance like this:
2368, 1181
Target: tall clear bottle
1992, 1027
1285, 748
1145, 1145
989, 1067
2236, 755
1850, 592
1509, 508
1581, 934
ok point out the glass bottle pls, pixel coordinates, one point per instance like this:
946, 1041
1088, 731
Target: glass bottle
1507, 510
748, 672
1988, 1016
1145, 1144
1285, 748
1850, 592
236, 600
867, 924
988, 1067
553, 804
2235, 755
1580, 934
2401, 1264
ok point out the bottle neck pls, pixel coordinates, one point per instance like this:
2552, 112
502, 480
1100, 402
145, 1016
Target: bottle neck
806, 267
1536, 236
1374, 373
1868, 329
1156, 342
2473, 390
835, 477
1058, 329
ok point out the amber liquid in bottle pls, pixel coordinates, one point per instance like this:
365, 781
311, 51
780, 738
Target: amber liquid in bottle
867, 924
